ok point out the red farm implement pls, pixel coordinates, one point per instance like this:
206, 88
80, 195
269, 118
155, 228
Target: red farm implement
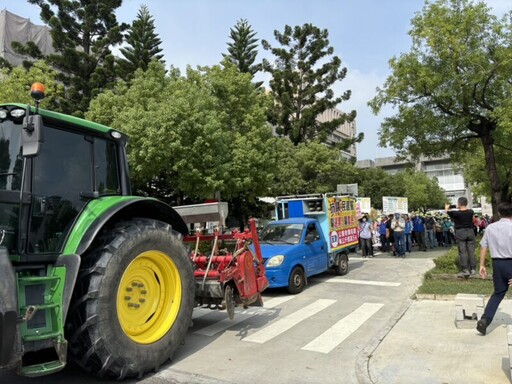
224, 279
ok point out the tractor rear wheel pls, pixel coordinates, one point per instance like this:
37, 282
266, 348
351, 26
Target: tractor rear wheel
133, 300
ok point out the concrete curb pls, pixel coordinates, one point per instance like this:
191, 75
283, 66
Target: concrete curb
362, 365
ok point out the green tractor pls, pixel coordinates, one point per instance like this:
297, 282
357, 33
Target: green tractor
87, 271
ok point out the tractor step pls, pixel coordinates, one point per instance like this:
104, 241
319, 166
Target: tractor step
40, 305
42, 336
42, 369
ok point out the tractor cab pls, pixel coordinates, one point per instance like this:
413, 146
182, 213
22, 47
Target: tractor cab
49, 170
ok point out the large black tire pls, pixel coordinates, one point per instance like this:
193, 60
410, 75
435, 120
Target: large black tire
97, 341
341, 267
296, 281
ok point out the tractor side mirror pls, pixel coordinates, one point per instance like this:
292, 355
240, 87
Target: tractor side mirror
32, 135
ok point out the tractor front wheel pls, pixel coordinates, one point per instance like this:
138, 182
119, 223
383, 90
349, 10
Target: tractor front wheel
133, 300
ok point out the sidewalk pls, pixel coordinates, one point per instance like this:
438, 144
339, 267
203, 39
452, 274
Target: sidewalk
423, 345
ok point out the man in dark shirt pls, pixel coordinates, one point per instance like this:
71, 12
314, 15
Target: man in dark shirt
464, 235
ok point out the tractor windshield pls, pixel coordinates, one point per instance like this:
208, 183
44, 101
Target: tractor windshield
282, 233
10, 156
11, 166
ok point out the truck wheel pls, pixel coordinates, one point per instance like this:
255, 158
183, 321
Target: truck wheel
297, 280
341, 267
133, 300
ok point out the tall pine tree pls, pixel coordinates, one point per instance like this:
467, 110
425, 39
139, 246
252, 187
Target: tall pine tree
143, 45
83, 31
242, 50
301, 87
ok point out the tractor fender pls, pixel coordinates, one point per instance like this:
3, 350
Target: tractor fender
8, 310
113, 209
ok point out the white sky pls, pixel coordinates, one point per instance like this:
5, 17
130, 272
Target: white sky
365, 34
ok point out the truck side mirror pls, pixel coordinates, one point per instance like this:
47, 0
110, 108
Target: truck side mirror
32, 135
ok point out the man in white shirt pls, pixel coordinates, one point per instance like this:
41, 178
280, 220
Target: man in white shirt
498, 239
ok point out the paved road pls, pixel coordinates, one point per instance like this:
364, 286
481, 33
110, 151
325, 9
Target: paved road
313, 337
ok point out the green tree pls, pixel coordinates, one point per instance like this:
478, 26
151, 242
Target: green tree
422, 192
143, 45
473, 164
15, 85
308, 168
375, 183
301, 85
212, 137
83, 32
242, 50
448, 88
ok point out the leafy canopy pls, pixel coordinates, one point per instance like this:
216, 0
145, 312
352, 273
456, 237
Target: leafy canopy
447, 89
308, 168
196, 134
15, 85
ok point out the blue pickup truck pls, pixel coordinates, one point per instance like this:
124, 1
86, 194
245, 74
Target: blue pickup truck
315, 235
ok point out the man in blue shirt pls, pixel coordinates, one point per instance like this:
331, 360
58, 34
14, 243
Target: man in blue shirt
498, 239
418, 227
384, 244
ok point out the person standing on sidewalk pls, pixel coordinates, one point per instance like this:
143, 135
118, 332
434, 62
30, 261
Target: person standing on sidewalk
398, 227
464, 236
418, 227
382, 233
365, 235
407, 233
430, 228
447, 232
498, 239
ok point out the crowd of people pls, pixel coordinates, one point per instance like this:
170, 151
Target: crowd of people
400, 234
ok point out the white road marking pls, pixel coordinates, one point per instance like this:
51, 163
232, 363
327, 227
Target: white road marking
336, 334
289, 321
364, 282
240, 316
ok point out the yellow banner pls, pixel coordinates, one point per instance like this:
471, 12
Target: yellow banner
343, 225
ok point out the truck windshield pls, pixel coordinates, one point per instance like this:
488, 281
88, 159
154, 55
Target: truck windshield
282, 233
11, 168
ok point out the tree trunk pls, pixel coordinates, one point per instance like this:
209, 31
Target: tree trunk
494, 178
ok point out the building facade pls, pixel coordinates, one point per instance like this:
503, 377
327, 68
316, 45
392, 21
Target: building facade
16, 28
449, 178
345, 131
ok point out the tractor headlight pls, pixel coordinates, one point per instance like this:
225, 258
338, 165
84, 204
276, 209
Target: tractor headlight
275, 261
17, 113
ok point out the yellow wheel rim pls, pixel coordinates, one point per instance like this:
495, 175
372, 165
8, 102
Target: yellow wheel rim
149, 297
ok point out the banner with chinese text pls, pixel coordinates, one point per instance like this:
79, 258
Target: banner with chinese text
343, 225
392, 204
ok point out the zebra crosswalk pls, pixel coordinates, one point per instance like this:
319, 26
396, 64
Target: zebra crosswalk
287, 322
332, 336
335, 335
226, 323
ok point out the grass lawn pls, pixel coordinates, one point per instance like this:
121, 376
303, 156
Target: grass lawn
452, 287
442, 280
